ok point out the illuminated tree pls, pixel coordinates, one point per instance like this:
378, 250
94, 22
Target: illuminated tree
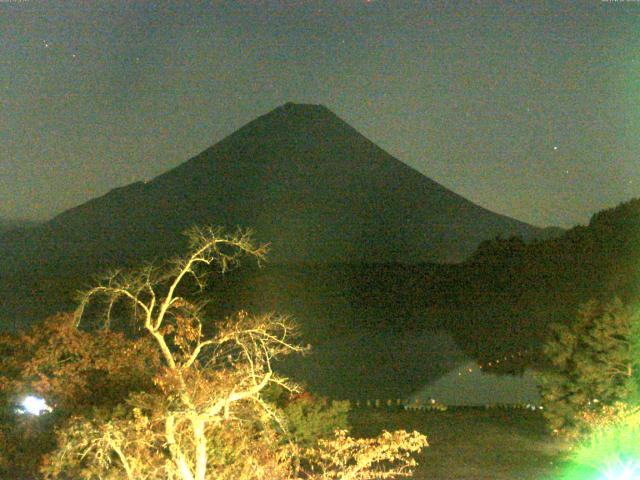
593, 363
203, 415
387, 456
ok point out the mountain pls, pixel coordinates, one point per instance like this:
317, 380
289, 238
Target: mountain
302, 178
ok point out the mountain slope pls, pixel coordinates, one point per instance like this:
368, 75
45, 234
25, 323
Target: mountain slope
302, 178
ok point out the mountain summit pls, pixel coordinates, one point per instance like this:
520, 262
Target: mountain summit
301, 178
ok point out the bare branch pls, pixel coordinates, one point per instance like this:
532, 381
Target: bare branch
207, 383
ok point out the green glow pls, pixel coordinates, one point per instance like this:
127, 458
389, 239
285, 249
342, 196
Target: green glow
621, 470
611, 451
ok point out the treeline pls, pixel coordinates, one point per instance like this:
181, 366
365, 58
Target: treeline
512, 290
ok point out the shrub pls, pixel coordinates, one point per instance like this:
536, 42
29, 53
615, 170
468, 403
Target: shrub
310, 418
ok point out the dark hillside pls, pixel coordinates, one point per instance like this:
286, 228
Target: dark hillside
517, 289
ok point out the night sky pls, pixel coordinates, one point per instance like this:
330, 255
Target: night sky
529, 109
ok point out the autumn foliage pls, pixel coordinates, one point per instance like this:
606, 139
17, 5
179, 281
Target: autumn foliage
145, 386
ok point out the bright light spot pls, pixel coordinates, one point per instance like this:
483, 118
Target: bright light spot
624, 471
34, 405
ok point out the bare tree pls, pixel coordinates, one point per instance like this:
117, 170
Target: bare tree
205, 417
204, 380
